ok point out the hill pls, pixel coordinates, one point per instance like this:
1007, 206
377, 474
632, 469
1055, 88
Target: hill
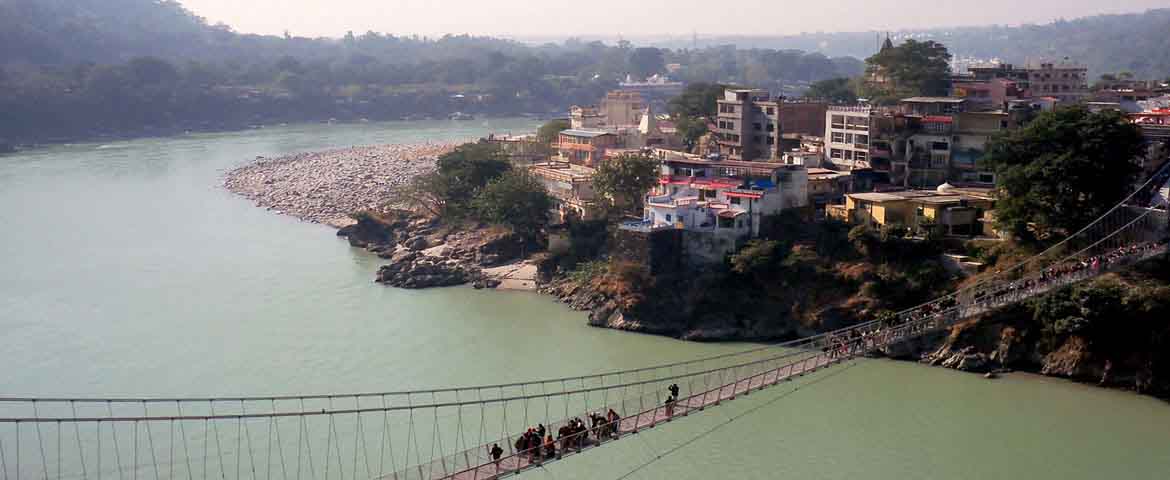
1105, 43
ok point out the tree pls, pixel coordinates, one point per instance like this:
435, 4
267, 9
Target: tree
460, 175
516, 199
910, 69
548, 132
691, 129
835, 90
698, 100
1062, 170
152, 71
626, 179
646, 62
758, 256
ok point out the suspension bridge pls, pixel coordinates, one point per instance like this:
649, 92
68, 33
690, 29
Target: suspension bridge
450, 433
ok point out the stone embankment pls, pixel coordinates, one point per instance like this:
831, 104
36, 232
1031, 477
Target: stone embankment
327, 187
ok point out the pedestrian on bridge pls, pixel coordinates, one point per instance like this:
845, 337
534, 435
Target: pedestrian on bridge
669, 407
673, 390
495, 452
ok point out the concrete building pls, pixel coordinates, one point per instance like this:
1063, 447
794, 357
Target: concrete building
584, 147
847, 137
1065, 81
584, 118
622, 109
747, 125
945, 211
571, 187
726, 199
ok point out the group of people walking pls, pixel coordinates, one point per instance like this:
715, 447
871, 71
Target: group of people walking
537, 444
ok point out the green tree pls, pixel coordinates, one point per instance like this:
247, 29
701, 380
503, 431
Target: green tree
516, 199
457, 180
626, 179
758, 256
691, 129
835, 90
912, 68
547, 134
1062, 170
646, 62
698, 100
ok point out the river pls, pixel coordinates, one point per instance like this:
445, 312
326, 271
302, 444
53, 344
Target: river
129, 270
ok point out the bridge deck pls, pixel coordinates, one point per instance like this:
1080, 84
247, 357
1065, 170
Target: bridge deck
647, 419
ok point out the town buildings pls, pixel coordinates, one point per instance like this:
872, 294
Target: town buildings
751, 125
584, 147
946, 210
1065, 81
571, 187
724, 200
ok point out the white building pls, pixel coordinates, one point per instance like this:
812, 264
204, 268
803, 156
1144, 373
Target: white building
847, 137
723, 198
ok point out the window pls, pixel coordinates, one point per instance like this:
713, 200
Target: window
668, 218
986, 177
921, 212
736, 201
861, 139
838, 121
722, 124
943, 146
771, 127
860, 156
771, 140
836, 153
757, 139
849, 154
938, 161
771, 111
838, 137
757, 127
731, 125
848, 138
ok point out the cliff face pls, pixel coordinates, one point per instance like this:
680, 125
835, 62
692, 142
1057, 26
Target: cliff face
1114, 331
805, 282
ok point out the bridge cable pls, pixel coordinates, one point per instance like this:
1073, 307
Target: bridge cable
3, 460
114, 434
150, 441
186, 447
80, 450
251, 449
676, 448
41, 443
218, 445
386, 438
328, 441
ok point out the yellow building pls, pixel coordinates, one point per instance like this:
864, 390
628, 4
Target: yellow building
947, 211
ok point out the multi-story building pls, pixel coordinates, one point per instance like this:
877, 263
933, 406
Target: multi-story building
1064, 81
571, 187
748, 125
622, 109
724, 198
584, 147
847, 137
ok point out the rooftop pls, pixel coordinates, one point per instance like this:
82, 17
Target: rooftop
585, 133
954, 100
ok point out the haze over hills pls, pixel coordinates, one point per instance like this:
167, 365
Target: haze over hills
1136, 42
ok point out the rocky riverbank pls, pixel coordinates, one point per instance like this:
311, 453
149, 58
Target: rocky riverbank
424, 252
327, 187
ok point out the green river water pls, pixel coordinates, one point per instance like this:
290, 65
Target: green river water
128, 270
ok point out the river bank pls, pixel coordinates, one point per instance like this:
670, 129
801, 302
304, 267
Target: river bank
328, 187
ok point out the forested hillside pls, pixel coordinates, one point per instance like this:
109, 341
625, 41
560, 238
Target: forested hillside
1135, 42
80, 68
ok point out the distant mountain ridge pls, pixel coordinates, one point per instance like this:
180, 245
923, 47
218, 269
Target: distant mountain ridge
1137, 42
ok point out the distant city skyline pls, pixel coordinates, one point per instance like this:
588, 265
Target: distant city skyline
552, 20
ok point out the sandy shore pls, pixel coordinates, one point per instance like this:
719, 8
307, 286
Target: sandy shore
326, 187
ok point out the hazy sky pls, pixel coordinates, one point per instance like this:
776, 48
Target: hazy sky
635, 17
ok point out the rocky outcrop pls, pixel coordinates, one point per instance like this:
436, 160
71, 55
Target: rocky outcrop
412, 269
423, 252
